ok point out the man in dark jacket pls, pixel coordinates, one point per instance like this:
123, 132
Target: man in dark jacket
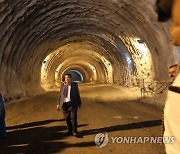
69, 100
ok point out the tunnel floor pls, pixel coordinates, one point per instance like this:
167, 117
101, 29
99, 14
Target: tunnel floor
35, 126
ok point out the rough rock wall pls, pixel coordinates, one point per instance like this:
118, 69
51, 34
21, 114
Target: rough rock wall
32, 29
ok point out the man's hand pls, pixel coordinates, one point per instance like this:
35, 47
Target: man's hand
79, 106
58, 107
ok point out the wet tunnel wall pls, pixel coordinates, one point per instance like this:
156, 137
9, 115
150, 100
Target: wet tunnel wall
107, 41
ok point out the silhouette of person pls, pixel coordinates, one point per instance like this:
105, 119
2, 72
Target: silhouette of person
2, 118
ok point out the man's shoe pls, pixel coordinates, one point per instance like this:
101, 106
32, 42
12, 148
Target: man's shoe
68, 133
76, 134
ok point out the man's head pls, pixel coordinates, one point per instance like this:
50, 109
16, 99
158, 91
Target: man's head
67, 78
172, 72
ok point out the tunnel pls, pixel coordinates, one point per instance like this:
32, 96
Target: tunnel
109, 42
115, 50
114, 42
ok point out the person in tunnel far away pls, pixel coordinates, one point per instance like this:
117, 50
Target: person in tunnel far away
69, 100
2, 119
167, 9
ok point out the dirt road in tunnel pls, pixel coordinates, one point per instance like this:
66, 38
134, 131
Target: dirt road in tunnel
35, 126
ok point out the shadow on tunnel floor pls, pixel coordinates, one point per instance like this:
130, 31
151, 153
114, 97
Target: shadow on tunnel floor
143, 124
32, 124
36, 138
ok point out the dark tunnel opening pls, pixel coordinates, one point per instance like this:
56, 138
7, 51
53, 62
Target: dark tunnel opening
76, 76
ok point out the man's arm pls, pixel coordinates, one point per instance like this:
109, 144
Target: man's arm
59, 97
79, 98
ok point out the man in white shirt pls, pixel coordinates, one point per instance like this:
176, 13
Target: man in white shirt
69, 100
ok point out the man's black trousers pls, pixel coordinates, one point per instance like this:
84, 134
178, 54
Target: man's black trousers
70, 116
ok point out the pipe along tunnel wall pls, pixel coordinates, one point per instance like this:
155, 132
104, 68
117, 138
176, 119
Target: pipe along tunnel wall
113, 41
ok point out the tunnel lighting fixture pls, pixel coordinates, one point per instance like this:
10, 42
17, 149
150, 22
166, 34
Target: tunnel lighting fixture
141, 46
140, 41
129, 59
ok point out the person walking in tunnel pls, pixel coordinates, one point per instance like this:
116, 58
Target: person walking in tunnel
165, 10
69, 100
2, 119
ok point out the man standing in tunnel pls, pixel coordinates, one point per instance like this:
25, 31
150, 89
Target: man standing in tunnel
69, 100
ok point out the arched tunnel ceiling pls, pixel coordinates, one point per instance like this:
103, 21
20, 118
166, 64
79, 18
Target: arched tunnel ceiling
33, 29
82, 54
